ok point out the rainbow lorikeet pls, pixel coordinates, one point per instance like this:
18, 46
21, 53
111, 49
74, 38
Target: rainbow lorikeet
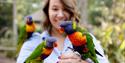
42, 51
82, 41
25, 33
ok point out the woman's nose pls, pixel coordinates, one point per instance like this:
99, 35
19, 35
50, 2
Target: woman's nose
60, 15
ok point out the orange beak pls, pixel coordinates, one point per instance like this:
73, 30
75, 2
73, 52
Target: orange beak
55, 44
61, 30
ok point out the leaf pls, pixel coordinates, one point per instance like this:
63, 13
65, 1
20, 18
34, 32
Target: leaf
122, 46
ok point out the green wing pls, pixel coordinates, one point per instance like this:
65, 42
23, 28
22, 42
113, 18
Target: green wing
90, 46
21, 39
36, 53
81, 29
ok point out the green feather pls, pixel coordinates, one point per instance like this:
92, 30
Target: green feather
36, 53
21, 39
81, 29
74, 25
34, 61
90, 45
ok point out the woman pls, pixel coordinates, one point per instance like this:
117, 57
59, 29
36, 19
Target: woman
56, 11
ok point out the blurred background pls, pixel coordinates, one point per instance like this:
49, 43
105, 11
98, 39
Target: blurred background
103, 18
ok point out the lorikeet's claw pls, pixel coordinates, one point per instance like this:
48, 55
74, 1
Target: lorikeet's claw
75, 51
77, 54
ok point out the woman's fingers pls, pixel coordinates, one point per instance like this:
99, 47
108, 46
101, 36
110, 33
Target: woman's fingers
70, 54
69, 60
69, 57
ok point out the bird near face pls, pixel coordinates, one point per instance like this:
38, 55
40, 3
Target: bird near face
82, 41
77, 38
67, 26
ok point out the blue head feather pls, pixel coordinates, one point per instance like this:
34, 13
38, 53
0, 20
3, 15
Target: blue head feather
68, 27
50, 41
29, 20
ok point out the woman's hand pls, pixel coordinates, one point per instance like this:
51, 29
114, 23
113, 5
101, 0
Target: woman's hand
70, 58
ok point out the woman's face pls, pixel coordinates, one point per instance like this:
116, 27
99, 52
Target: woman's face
57, 13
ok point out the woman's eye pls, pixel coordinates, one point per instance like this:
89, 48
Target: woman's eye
55, 9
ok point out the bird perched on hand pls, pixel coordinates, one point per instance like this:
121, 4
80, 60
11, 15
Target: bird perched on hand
42, 51
82, 41
25, 33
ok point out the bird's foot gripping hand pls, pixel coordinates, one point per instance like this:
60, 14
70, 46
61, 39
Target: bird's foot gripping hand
42, 51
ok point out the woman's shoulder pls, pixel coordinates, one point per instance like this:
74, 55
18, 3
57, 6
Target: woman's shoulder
35, 40
37, 36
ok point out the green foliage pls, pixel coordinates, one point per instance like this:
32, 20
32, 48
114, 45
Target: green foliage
26, 7
5, 15
110, 15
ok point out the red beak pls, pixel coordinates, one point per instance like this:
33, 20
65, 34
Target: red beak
55, 44
61, 30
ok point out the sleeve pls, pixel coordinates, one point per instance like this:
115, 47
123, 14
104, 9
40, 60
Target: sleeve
98, 47
28, 48
24, 53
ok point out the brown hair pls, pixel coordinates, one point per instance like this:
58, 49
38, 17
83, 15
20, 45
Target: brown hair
69, 5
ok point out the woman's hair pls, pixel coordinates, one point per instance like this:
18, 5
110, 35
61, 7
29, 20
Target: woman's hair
69, 5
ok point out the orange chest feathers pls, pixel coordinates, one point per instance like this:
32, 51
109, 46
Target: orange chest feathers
77, 38
30, 28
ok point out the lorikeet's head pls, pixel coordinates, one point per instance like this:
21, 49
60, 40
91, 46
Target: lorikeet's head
68, 27
30, 25
29, 20
51, 42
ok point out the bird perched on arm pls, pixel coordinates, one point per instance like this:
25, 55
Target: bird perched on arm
82, 41
42, 51
25, 33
